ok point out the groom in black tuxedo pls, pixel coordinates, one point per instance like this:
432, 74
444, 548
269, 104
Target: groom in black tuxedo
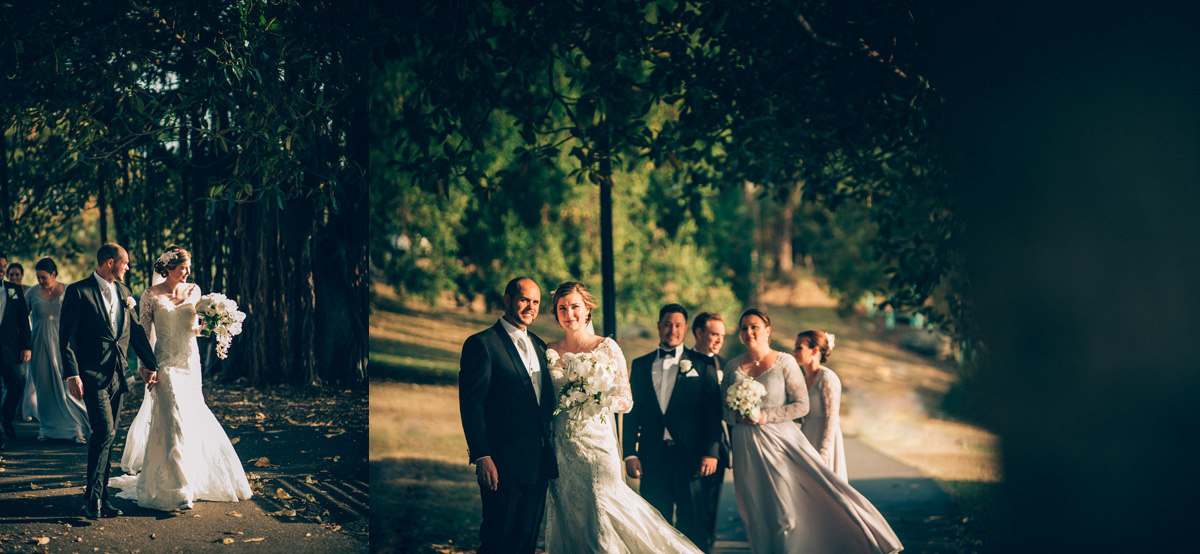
96, 328
506, 400
672, 436
14, 351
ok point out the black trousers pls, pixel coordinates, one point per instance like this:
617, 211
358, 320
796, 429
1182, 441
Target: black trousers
674, 487
14, 384
104, 411
512, 516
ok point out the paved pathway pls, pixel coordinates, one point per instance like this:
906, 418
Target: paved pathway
323, 479
920, 512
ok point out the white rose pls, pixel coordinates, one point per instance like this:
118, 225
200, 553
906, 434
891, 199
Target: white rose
130, 302
685, 366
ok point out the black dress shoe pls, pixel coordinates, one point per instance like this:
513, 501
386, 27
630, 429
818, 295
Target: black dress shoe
108, 510
91, 511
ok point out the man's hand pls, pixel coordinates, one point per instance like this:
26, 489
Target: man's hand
708, 466
485, 471
150, 377
75, 387
633, 468
26, 355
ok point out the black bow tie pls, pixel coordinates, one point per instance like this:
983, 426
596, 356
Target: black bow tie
666, 353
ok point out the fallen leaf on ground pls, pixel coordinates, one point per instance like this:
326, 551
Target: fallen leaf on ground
282, 494
35, 487
257, 539
262, 462
286, 512
227, 540
41, 540
235, 440
234, 514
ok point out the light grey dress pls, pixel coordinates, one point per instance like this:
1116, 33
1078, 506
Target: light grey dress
822, 425
789, 500
59, 415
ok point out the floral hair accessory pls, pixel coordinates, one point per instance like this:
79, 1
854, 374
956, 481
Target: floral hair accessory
829, 337
166, 257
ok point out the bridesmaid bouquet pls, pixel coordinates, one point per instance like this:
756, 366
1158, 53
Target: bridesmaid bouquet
591, 384
220, 318
746, 398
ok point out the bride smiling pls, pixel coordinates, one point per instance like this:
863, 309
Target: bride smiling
591, 509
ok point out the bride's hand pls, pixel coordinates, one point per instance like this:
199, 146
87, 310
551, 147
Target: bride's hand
197, 329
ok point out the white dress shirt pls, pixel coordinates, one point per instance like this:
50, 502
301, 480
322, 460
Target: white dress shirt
666, 370
528, 357
109, 306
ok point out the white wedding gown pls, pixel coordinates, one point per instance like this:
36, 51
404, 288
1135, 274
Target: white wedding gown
590, 508
176, 451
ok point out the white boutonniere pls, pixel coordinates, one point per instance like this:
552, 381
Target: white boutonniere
12, 293
685, 367
130, 302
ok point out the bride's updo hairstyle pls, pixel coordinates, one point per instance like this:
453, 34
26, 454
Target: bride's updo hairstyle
816, 340
171, 259
568, 287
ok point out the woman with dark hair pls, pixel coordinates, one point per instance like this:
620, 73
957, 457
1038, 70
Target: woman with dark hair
789, 500
822, 424
60, 415
176, 443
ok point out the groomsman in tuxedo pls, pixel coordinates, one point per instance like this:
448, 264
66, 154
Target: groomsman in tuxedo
672, 436
506, 400
709, 330
15, 350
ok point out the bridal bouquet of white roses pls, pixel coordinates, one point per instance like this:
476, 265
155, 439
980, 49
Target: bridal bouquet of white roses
591, 383
220, 318
746, 398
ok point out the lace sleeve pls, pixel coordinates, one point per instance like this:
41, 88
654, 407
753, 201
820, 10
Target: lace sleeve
831, 394
624, 400
797, 393
146, 318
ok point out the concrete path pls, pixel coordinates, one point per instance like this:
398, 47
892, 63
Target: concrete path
919, 511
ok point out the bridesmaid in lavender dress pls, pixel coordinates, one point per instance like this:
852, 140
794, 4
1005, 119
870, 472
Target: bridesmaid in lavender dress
822, 425
789, 500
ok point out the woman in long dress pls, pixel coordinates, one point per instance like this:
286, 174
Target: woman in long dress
789, 500
181, 449
822, 425
590, 508
29, 399
60, 415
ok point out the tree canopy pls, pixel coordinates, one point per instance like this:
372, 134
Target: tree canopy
236, 129
718, 123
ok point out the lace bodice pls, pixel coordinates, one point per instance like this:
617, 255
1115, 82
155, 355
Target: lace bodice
623, 402
787, 395
170, 328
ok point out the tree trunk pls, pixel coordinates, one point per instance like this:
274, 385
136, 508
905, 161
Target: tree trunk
784, 264
751, 202
5, 204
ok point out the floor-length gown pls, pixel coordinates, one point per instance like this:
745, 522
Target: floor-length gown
60, 415
590, 508
789, 500
822, 425
186, 455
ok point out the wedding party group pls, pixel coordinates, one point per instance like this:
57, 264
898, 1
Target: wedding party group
76, 340
538, 420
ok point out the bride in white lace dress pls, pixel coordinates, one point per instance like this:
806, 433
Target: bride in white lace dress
591, 509
175, 442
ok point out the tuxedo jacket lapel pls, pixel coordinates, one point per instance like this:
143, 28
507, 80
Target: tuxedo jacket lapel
518, 365
646, 378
